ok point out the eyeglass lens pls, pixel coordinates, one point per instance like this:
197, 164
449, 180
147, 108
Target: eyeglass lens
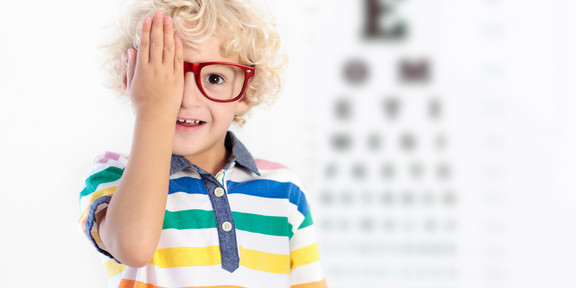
221, 81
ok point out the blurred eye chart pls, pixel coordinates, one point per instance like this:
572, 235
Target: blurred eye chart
437, 137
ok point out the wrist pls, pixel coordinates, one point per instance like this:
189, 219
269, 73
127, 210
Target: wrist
156, 112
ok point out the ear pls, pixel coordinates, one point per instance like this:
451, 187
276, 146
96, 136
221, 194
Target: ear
125, 85
130, 66
242, 106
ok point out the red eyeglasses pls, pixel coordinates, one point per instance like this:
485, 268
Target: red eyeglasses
220, 81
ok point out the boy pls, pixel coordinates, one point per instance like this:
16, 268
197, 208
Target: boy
190, 207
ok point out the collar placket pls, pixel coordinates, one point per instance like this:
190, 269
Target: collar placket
224, 222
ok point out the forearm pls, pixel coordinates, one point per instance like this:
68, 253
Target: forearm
133, 222
131, 225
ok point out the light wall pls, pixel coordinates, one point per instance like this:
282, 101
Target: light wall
460, 178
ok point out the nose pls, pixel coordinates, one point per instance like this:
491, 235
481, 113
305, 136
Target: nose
192, 96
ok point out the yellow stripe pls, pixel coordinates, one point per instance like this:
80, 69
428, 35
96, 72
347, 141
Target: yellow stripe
102, 192
82, 216
319, 284
125, 283
219, 177
96, 236
97, 194
186, 256
207, 256
262, 261
305, 255
112, 268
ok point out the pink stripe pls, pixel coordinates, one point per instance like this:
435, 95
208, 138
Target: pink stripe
108, 156
267, 165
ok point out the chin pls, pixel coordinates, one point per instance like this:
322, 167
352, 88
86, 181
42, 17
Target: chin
182, 151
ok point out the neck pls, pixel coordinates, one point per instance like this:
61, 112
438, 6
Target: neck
210, 162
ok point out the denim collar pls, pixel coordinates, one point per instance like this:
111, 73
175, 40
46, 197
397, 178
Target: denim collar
239, 156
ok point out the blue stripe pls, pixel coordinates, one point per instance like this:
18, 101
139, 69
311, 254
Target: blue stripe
271, 189
260, 188
92, 220
187, 185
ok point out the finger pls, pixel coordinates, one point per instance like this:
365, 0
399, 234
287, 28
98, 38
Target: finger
168, 55
157, 38
144, 47
130, 68
178, 56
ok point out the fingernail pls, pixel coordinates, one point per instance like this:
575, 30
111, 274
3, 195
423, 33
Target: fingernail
158, 14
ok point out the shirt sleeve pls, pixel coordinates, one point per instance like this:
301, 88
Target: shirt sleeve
99, 186
305, 266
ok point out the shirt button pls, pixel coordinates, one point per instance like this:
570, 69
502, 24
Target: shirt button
219, 192
227, 226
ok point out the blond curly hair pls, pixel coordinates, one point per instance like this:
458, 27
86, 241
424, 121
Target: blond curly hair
247, 34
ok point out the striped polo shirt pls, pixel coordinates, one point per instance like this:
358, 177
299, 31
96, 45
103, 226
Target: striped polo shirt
248, 226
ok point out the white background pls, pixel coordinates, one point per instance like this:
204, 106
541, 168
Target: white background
55, 116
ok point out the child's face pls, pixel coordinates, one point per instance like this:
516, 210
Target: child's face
204, 141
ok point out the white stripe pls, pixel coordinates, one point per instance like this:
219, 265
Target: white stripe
185, 173
303, 237
207, 276
97, 166
238, 202
263, 243
267, 207
297, 217
115, 281
258, 205
171, 238
307, 273
183, 201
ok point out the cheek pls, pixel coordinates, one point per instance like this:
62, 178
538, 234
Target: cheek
223, 115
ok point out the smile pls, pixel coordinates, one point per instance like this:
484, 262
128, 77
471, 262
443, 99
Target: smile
189, 122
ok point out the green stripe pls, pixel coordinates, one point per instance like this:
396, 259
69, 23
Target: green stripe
109, 174
269, 225
189, 219
202, 219
307, 221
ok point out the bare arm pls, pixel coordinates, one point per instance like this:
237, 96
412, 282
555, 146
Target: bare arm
130, 227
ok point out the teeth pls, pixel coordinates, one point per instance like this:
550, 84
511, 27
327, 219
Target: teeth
189, 121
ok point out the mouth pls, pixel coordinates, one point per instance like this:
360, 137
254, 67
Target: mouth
189, 122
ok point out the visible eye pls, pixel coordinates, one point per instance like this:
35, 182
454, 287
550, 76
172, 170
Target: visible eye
214, 79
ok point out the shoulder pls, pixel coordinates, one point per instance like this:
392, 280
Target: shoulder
287, 183
108, 161
265, 164
277, 172
102, 178
112, 159
269, 174
107, 168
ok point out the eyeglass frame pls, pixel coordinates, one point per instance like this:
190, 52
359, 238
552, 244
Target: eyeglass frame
196, 67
